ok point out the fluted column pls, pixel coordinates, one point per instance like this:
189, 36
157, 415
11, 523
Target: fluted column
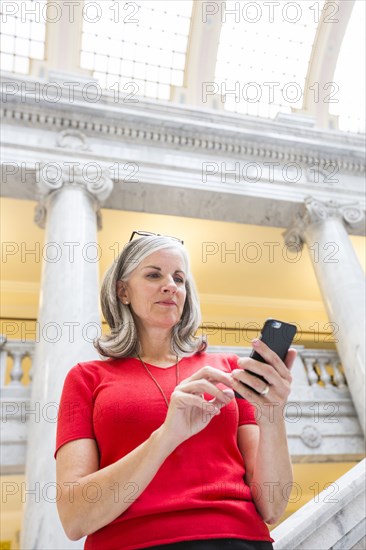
68, 321
322, 226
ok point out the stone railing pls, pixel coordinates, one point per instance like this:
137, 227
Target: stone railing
320, 417
334, 519
15, 402
323, 367
17, 351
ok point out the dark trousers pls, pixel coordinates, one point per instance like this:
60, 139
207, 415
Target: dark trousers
216, 544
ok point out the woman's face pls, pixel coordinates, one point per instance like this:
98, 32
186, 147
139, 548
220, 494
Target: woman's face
156, 289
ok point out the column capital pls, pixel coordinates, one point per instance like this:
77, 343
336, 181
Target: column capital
91, 176
54, 176
314, 211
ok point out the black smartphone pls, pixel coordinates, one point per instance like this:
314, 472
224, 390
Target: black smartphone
278, 336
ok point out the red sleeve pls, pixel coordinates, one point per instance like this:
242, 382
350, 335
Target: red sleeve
75, 415
247, 411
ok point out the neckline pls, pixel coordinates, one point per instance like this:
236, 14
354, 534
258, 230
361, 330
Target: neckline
156, 366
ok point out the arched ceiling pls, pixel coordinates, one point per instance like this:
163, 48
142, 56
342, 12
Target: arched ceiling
257, 58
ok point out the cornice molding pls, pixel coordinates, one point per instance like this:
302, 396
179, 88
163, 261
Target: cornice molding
162, 124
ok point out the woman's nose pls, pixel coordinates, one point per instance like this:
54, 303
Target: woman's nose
170, 286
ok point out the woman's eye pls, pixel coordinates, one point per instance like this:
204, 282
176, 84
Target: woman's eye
156, 275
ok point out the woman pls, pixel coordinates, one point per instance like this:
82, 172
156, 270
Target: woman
153, 449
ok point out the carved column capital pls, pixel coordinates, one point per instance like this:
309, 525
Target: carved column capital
314, 211
91, 176
54, 176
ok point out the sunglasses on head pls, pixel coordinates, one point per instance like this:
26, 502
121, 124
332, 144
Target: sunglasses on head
149, 234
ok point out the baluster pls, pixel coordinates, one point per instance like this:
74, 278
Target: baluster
324, 375
16, 373
338, 375
30, 374
3, 359
311, 374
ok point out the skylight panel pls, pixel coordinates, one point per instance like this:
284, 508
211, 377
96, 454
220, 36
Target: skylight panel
148, 37
22, 34
264, 54
349, 100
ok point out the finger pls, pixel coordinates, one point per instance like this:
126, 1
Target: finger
248, 393
230, 395
182, 399
267, 372
290, 358
261, 369
210, 373
271, 358
204, 386
251, 381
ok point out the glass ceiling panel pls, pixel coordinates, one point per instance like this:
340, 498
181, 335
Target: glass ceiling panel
264, 54
22, 34
138, 48
350, 74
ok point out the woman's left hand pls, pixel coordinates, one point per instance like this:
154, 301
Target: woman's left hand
278, 381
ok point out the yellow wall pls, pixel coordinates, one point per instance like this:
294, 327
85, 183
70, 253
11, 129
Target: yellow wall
236, 294
11, 511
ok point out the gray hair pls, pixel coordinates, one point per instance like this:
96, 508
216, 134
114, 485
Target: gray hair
123, 341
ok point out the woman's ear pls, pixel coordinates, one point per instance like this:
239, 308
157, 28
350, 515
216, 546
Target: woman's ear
122, 292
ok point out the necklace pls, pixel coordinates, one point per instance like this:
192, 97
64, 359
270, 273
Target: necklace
157, 383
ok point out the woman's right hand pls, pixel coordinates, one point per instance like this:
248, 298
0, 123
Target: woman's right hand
188, 411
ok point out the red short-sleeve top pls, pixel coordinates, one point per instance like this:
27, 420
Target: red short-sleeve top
199, 491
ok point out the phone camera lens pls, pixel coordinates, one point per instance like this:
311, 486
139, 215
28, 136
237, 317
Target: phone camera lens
276, 324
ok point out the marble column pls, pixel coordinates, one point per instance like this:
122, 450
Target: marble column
323, 227
68, 321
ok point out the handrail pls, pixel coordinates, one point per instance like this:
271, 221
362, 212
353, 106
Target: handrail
334, 515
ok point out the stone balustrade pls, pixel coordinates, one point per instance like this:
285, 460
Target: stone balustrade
323, 367
321, 420
15, 404
17, 351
